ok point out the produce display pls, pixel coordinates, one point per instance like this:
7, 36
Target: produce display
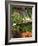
21, 21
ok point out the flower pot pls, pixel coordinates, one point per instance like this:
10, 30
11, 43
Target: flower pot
26, 34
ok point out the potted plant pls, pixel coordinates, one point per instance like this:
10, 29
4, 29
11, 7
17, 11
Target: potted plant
22, 24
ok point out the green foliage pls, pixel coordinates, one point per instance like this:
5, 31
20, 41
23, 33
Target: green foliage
17, 18
23, 27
